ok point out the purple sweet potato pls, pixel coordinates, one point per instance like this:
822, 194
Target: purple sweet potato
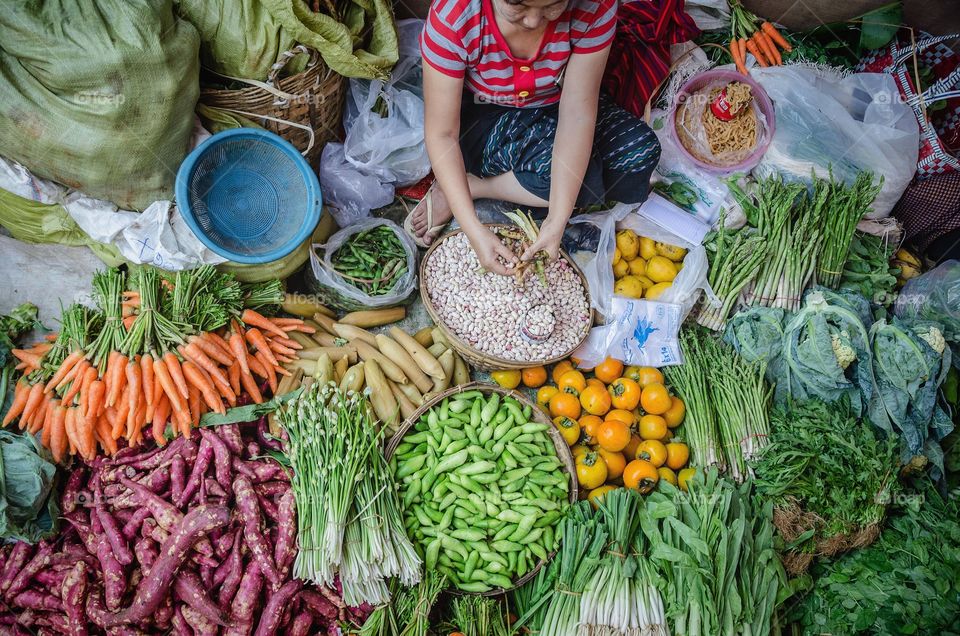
199, 623
221, 458
253, 449
224, 543
146, 552
214, 489
204, 457
69, 498
167, 516
50, 579
114, 581
41, 559
271, 488
301, 624
164, 614
230, 434
270, 615
320, 605
285, 549
189, 589
178, 477
245, 602
19, 554
33, 599
132, 527
180, 626
246, 502
206, 575
74, 595
232, 570
114, 535
269, 509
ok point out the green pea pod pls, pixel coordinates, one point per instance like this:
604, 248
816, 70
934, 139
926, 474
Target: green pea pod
453, 547
432, 554
475, 587
492, 510
421, 516
549, 538
413, 491
527, 412
478, 502
497, 448
531, 450
468, 505
493, 496
469, 535
475, 412
495, 567
434, 514
499, 580
502, 415
490, 408
510, 496
487, 478
417, 438
523, 528
478, 453
464, 418
506, 546
457, 489
462, 512
502, 429
503, 533
410, 466
455, 433
523, 437
460, 524
447, 501
536, 492
514, 409
512, 561
452, 462
444, 442
538, 550
517, 453
474, 437
446, 520
548, 519
521, 566
470, 395
433, 443
471, 484
476, 468
470, 565
450, 422
432, 419
514, 487
515, 474
458, 445
510, 516
426, 531
492, 557
531, 536
440, 488
403, 448
508, 461
486, 434
444, 410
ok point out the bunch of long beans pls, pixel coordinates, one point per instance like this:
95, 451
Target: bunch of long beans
372, 260
690, 380
847, 205
736, 257
621, 597
348, 514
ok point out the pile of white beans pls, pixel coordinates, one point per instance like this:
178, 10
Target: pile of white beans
487, 310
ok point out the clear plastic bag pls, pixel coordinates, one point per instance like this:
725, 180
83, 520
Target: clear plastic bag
845, 124
934, 296
334, 291
645, 333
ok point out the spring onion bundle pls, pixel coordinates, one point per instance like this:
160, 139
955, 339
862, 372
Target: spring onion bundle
621, 597
348, 513
736, 257
409, 612
479, 616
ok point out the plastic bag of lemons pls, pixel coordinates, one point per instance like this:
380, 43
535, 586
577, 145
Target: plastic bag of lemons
644, 268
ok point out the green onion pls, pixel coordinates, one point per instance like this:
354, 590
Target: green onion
736, 258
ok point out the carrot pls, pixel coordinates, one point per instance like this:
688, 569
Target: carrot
135, 394
183, 422
160, 415
68, 364
234, 371
776, 36
257, 367
32, 359
770, 48
48, 424
102, 430
282, 359
217, 339
86, 441
162, 372
268, 368
116, 426
40, 417
52, 337
754, 49
194, 404
250, 385
239, 349
735, 54
117, 379
95, 399
123, 415
256, 339
293, 324
70, 426
197, 378
129, 294
140, 420
33, 402
79, 383
255, 319
196, 355
176, 374
146, 377
280, 349
212, 350
20, 394
76, 372
58, 434
283, 371
287, 342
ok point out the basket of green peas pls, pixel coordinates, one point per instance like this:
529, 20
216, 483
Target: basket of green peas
485, 479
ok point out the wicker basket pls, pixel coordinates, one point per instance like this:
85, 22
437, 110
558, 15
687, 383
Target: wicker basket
474, 357
305, 108
563, 452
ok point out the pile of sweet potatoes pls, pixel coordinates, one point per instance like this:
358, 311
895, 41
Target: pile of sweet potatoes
196, 537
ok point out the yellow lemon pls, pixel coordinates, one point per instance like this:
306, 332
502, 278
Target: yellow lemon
661, 269
629, 286
648, 248
621, 269
657, 290
628, 244
672, 252
645, 282
638, 267
617, 256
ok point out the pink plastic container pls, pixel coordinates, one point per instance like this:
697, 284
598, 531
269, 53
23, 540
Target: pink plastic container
760, 97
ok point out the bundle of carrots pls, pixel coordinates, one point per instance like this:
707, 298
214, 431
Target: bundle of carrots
112, 373
764, 42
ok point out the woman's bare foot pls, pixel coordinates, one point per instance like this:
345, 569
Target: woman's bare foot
427, 227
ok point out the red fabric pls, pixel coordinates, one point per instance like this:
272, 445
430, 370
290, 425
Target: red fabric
640, 57
461, 39
418, 190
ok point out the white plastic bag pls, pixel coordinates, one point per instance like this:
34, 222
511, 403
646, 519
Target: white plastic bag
645, 333
331, 288
848, 123
384, 145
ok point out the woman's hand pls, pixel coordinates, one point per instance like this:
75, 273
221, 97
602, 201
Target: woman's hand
548, 241
488, 247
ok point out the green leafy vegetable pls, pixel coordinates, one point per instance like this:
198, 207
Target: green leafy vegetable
868, 270
28, 500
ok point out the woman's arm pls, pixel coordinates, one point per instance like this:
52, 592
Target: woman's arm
572, 146
441, 97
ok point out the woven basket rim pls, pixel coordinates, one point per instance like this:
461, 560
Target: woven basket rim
462, 347
563, 453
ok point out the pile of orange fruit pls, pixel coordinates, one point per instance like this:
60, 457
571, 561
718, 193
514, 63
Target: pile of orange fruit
620, 423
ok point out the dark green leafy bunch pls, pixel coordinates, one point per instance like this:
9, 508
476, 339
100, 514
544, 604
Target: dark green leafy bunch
908, 582
372, 260
823, 460
868, 270
478, 616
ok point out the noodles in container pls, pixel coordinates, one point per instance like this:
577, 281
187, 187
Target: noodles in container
722, 121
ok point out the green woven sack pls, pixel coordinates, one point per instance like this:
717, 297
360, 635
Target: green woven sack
98, 94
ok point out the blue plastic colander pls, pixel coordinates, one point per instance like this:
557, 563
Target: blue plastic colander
248, 195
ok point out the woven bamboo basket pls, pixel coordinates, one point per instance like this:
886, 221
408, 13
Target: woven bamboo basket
473, 356
563, 453
305, 108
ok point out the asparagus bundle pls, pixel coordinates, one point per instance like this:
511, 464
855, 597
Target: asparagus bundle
846, 207
735, 260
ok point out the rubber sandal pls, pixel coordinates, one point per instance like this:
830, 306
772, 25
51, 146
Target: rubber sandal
434, 229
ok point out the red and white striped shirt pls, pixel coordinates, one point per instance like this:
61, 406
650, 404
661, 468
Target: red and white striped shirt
461, 39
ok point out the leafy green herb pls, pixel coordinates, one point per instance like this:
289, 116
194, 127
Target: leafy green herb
868, 270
